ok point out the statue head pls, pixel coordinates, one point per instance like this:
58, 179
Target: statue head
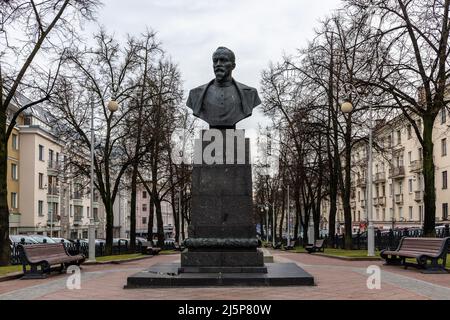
223, 64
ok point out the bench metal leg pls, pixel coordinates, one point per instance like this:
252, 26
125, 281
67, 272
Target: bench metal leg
34, 273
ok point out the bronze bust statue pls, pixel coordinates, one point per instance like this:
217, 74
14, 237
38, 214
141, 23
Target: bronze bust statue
223, 102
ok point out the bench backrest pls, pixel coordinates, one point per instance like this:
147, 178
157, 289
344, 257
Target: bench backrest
428, 245
319, 243
40, 251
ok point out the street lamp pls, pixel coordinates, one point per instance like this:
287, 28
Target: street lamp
113, 106
347, 107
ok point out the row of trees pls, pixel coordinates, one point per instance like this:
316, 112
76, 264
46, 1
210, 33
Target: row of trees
133, 145
380, 53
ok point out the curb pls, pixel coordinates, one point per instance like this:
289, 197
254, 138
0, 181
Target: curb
87, 263
348, 258
11, 276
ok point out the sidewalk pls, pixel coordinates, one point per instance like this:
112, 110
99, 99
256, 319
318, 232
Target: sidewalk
335, 279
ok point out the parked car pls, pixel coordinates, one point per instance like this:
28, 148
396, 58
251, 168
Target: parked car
58, 240
15, 239
42, 239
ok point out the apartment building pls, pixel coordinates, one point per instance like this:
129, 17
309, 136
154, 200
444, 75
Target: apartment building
13, 166
397, 187
42, 197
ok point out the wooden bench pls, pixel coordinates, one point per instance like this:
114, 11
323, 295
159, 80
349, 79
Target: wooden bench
46, 255
291, 246
316, 247
147, 248
278, 245
421, 249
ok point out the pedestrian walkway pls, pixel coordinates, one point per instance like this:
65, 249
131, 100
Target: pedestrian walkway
335, 279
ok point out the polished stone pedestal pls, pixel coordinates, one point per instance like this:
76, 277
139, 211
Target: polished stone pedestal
222, 248
169, 276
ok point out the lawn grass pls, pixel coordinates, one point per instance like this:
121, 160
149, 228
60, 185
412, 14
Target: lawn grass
9, 269
168, 252
119, 257
355, 254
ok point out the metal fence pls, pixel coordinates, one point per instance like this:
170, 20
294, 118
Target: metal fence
383, 240
77, 247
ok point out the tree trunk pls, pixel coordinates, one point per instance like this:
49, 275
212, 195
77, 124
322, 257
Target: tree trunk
283, 208
151, 214
429, 197
5, 254
346, 187
109, 226
133, 206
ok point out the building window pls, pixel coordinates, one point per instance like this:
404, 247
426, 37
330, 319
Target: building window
144, 220
40, 208
384, 214
144, 207
41, 180
399, 137
409, 131
144, 194
410, 157
50, 158
410, 185
400, 212
95, 212
88, 212
71, 210
443, 115
444, 211
444, 179
41, 153
14, 142
420, 153
13, 200
444, 147
410, 213
14, 174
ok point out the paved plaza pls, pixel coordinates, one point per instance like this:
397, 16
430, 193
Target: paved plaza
335, 279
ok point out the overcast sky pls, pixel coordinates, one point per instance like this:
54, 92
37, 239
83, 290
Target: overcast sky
258, 31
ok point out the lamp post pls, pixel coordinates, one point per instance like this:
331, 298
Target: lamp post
180, 217
112, 106
288, 219
273, 222
347, 107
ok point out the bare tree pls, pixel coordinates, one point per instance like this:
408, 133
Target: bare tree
96, 76
412, 46
25, 30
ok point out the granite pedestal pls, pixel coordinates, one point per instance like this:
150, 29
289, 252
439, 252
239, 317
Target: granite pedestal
222, 248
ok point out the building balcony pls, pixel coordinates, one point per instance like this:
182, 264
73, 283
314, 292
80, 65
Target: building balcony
76, 196
397, 172
53, 222
399, 198
77, 220
52, 198
379, 201
53, 168
416, 166
380, 177
361, 182
14, 219
418, 196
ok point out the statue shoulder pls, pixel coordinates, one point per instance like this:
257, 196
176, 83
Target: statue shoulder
245, 87
195, 94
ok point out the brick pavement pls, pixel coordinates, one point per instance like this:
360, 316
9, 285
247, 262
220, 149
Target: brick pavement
335, 279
